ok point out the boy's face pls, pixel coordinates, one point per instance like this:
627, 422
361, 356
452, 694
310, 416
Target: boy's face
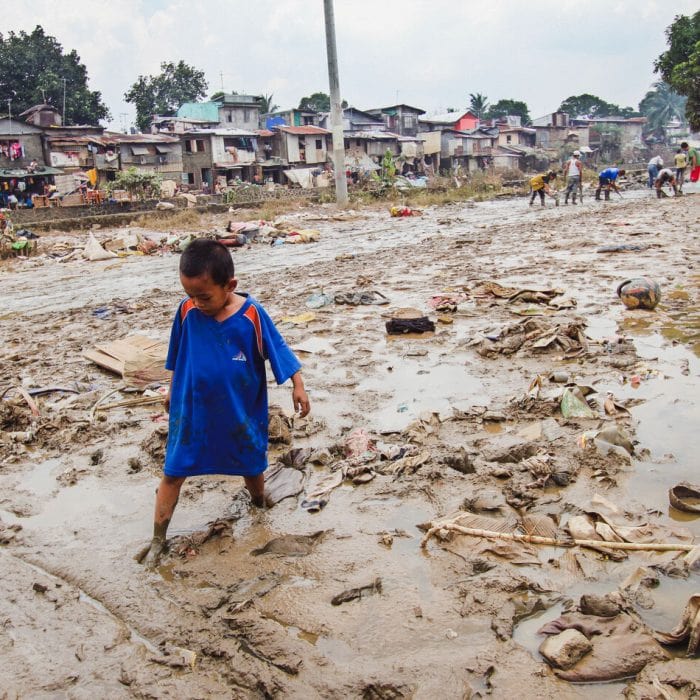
208, 296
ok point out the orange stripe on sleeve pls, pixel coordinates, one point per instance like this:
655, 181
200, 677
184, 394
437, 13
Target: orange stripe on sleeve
251, 313
186, 307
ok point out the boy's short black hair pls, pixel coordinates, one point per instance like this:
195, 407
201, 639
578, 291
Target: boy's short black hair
205, 256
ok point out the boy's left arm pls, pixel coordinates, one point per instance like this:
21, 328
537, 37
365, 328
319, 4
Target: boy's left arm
300, 398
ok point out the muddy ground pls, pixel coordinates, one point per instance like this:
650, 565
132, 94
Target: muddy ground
454, 414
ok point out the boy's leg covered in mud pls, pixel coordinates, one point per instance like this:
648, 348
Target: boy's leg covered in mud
167, 496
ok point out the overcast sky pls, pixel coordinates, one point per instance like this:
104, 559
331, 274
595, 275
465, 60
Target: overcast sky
426, 53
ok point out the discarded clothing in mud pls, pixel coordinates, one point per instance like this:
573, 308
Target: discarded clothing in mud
688, 628
291, 545
400, 326
603, 521
513, 294
189, 545
404, 211
622, 248
357, 593
447, 302
358, 443
282, 482
318, 497
678, 679
621, 647
303, 236
537, 335
360, 298
685, 497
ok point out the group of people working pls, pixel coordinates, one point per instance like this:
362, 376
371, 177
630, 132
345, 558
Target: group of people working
684, 158
659, 176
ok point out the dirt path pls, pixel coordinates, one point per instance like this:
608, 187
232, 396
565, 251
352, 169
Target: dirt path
451, 413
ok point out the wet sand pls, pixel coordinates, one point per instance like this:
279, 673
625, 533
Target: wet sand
81, 617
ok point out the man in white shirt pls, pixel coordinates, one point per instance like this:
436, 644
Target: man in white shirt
574, 171
653, 167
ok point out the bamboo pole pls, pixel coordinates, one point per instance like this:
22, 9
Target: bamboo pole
537, 539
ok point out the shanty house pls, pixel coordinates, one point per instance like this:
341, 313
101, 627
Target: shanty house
269, 162
302, 145
23, 169
211, 154
42, 115
228, 112
623, 134
554, 131
149, 153
456, 121
517, 136
355, 120
373, 143
399, 119
466, 151
20, 144
290, 117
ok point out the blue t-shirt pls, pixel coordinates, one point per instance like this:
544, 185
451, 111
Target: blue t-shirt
218, 397
610, 173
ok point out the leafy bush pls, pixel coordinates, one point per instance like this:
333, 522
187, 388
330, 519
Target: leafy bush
137, 184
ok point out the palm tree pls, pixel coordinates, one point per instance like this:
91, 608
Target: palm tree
478, 104
267, 106
660, 106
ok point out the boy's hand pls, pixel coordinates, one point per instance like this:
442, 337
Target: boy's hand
301, 401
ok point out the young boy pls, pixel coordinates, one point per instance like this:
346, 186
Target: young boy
217, 402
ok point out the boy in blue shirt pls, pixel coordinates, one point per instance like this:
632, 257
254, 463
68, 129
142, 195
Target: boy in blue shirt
606, 179
217, 401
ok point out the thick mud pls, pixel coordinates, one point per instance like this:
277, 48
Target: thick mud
351, 605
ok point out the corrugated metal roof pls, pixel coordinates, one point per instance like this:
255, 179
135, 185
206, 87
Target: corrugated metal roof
231, 132
403, 104
446, 118
372, 135
304, 130
20, 173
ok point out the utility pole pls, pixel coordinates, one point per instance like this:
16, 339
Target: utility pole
64, 101
341, 183
9, 114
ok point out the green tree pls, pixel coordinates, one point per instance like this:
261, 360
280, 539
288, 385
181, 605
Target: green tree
32, 70
164, 93
660, 106
587, 105
504, 108
679, 66
478, 104
267, 105
318, 102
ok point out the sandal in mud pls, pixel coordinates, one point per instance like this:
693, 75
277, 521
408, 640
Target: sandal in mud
373, 297
360, 298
